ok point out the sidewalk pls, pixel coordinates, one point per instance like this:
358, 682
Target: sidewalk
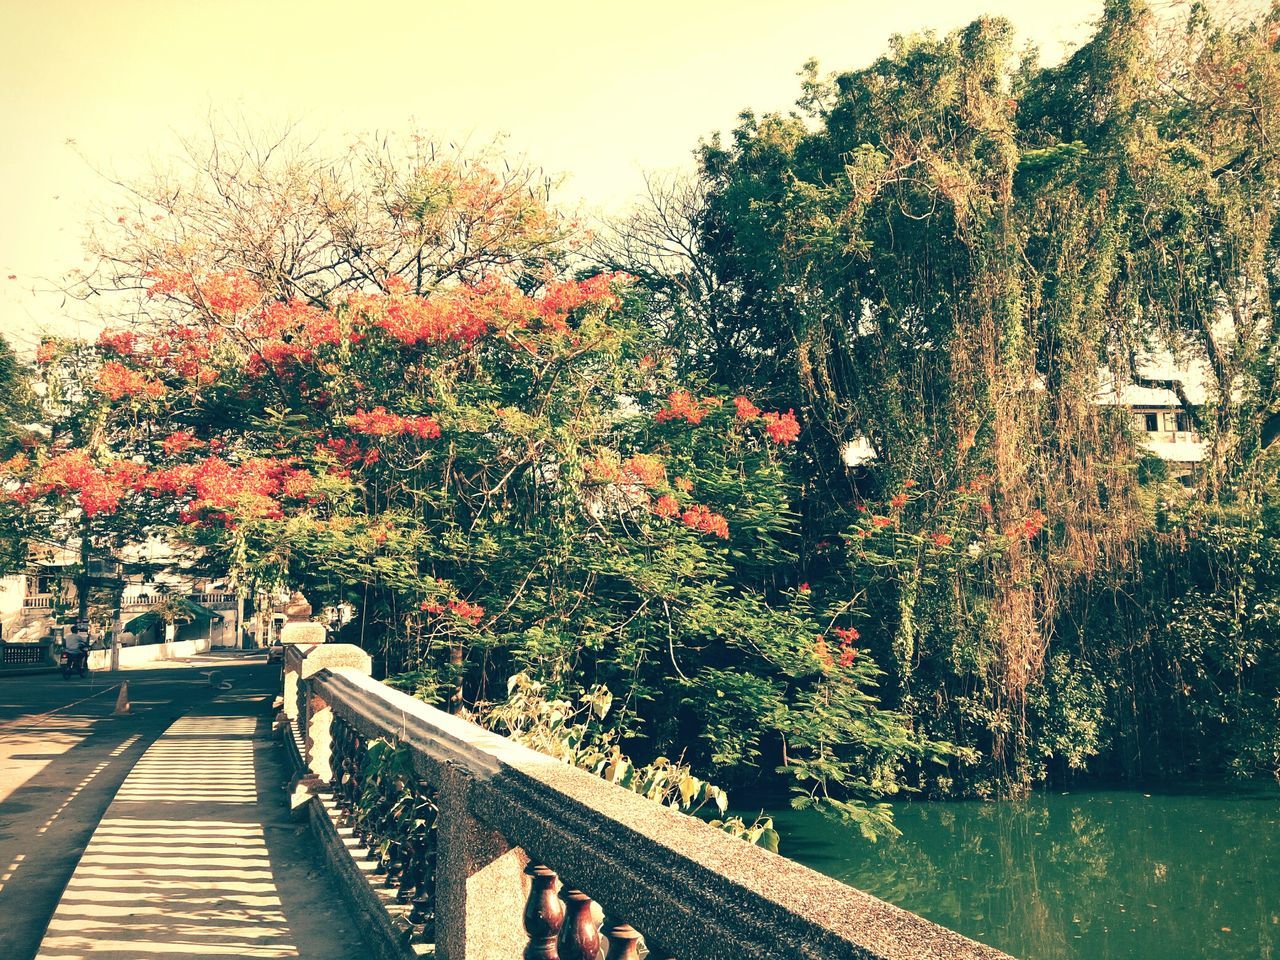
197, 856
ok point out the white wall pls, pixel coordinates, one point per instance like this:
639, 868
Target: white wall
12, 590
125, 657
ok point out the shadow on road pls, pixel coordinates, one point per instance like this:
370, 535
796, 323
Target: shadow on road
198, 856
63, 756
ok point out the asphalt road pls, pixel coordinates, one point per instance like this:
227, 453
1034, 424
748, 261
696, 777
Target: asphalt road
63, 755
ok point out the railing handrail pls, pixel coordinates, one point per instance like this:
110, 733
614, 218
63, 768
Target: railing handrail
708, 894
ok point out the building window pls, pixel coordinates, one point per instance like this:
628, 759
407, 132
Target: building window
1153, 422
1184, 423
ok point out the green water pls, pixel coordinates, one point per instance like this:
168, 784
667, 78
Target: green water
1095, 875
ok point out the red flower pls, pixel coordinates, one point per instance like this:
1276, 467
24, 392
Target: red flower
471, 612
645, 469
15, 464
941, 539
178, 441
881, 521
378, 422
98, 489
703, 520
118, 341
346, 451
224, 294
782, 427
667, 506
115, 380
1033, 524
746, 410
561, 298
681, 406
899, 501
847, 652
604, 468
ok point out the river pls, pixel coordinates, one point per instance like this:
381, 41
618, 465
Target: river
1084, 875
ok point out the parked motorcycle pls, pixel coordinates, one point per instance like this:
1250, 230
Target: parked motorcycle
73, 663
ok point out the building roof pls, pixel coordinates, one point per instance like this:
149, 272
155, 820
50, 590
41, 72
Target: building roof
1192, 372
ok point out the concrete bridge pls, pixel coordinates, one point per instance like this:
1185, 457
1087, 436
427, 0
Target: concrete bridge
429, 836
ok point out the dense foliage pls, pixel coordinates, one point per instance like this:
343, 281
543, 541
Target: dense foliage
957, 260
615, 512
503, 483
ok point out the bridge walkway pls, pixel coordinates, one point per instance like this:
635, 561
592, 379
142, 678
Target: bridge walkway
197, 855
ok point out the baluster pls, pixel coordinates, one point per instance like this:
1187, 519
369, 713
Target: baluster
355, 790
579, 936
340, 735
391, 829
624, 942
415, 876
382, 836
543, 914
423, 903
415, 854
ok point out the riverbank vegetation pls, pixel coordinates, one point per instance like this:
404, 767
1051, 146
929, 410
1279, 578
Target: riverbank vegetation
599, 486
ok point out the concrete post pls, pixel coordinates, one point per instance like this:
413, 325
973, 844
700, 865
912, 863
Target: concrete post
325, 656
318, 717
480, 881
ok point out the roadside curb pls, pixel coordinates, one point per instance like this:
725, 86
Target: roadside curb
25, 671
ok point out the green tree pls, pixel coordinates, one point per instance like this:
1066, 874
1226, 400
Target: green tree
17, 417
501, 481
952, 253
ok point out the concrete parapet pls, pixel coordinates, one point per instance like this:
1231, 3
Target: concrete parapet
509, 818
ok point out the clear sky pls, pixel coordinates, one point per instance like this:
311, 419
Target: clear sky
598, 92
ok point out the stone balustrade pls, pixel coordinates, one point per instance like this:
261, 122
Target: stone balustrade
496, 851
24, 654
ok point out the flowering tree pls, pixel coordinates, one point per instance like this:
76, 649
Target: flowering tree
502, 481
16, 414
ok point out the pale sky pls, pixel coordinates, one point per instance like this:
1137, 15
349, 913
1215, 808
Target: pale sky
596, 92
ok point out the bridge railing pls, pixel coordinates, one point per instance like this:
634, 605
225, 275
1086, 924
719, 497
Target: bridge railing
497, 851
24, 654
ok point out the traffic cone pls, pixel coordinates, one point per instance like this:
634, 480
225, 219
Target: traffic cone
122, 701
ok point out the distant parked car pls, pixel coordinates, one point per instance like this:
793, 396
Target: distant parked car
275, 652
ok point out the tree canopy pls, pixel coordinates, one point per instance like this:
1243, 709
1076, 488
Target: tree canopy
816, 469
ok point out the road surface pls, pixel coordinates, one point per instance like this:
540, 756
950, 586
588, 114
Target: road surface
63, 755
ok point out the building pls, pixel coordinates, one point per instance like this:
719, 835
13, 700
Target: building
126, 588
1159, 419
